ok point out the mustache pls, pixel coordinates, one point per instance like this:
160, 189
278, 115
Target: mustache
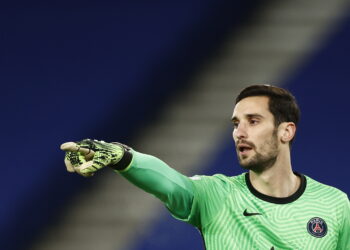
250, 144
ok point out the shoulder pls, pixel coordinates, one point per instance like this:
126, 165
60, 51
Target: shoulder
219, 177
221, 180
325, 192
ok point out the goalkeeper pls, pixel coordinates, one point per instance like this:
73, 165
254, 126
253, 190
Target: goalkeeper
268, 207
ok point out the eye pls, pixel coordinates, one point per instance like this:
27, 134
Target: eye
253, 121
235, 124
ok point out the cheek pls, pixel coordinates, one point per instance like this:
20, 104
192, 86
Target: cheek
264, 140
234, 134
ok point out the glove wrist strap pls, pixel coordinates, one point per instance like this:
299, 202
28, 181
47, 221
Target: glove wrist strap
125, 160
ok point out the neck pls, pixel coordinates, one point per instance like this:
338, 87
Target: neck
276, 181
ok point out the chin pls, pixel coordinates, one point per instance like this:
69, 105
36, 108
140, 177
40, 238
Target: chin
253, 167
257, 165
244, 163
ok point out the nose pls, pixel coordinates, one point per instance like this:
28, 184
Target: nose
240, 132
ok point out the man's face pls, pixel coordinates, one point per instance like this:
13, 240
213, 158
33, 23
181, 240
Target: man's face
255, 134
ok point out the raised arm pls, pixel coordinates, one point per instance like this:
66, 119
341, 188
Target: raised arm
145, 171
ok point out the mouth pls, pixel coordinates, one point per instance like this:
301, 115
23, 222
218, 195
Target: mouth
244, 149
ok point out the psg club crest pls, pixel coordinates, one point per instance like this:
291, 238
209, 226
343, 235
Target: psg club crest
317, 227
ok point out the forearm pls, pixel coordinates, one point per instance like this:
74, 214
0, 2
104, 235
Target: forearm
145, 171
156, 177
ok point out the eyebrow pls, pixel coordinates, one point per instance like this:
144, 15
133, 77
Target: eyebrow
234, 118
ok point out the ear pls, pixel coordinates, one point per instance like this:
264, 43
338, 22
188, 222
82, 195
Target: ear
287, 131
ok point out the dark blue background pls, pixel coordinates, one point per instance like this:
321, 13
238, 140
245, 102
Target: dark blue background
71, 70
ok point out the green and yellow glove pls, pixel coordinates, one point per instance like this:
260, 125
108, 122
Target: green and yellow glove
87, 156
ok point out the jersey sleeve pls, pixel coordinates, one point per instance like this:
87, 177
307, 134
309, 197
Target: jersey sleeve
195, 200
344, 233
156, 177
210, 193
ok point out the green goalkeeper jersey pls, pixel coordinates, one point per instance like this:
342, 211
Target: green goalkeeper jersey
231, 214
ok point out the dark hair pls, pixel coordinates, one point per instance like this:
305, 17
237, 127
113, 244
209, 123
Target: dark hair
282, 104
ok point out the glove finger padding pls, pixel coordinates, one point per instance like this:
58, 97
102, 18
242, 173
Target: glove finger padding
88, 156
87, 174
74, 161
86, 169
99, 161
69, 165
105, 154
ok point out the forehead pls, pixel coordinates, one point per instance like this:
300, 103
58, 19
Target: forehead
252, 105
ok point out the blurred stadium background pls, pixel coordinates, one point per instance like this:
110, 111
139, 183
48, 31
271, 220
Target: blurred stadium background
160, 76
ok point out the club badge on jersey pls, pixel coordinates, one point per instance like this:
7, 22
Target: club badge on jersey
317, 227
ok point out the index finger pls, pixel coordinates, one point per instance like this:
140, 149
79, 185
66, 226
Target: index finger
73, 147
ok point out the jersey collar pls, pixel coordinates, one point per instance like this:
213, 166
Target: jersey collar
277, 200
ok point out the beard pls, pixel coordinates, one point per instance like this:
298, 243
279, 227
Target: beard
262, 159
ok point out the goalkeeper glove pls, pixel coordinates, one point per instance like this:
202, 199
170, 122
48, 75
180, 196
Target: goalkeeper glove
87, 156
